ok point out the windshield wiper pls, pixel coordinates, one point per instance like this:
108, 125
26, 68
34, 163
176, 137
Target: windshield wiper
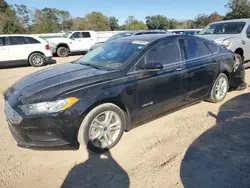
92, 65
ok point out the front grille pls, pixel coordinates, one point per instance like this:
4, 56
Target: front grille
11, 114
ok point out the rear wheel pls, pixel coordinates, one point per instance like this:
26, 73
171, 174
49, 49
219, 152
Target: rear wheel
102, 128
220, 89
37, 59
62, 51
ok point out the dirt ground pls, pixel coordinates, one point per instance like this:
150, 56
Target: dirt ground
205, 145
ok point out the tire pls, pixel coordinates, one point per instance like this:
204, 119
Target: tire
86, 136
62, 51
215, 97
37, 60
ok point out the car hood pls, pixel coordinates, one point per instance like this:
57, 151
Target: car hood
218, 38
49, 83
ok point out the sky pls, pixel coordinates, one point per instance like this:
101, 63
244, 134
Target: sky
179, 9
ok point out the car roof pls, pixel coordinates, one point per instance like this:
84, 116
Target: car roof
148, 38
16, 35
234, 20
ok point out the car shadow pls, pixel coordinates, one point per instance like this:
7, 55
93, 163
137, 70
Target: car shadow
220, 156
99, 170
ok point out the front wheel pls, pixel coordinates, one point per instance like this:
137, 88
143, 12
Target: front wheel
102, 128
62, 51
220, 89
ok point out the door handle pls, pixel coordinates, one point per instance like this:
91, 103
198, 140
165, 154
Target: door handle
179, 69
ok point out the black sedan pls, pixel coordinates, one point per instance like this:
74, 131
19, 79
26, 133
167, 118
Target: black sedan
93, 100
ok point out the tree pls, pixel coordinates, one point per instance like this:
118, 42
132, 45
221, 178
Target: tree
98, 22
238, 9
173, 24
215, 17
201, 20
133, 24
113, 23
23, 14
157, 22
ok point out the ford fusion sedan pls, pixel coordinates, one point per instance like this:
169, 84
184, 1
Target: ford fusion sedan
93, 100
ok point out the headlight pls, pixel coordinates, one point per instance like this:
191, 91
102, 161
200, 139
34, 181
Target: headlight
227, 43
49, 107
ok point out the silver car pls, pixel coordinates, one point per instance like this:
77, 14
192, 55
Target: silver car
233, 34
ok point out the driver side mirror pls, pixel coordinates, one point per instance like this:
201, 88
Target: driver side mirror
152, 66
248, 34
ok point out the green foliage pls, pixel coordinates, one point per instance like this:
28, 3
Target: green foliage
157, 22
113, 23
132, 24
98, 22
238, 9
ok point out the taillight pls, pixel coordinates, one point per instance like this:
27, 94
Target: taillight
47, 47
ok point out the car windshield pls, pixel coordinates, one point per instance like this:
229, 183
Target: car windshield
112, 55
66, 34
223, 28
119, 35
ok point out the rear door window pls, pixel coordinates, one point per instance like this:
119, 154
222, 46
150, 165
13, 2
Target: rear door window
195, 48
2, 41
86, 35
31, 40
17, 41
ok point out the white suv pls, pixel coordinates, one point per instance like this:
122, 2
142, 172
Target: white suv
17, 49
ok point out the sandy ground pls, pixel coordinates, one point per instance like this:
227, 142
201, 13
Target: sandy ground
205, 145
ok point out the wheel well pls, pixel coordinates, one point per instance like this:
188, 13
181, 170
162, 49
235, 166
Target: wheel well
227, 74
62, 45
240, 52
117, 103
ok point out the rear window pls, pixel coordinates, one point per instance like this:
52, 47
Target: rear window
17, 41
31, 40
86, 35
2, 41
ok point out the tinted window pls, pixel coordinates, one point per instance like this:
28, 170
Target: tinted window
2, 41
164, 53
248, 29
139, 34
31, 40
17, 40
195, 48
76, 35
86, 35
214, 48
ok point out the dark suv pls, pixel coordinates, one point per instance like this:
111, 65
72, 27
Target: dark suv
94, 99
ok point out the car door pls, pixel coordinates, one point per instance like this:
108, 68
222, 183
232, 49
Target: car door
201, 68
75, 42
4, 50
86, 41
246, 42
163, 88
19, 49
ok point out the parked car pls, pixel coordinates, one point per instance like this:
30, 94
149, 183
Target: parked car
127, 34
94, 99
72, 42
23, 49
191, 32
233, 34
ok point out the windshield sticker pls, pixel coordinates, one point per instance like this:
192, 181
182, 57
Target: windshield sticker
140, 42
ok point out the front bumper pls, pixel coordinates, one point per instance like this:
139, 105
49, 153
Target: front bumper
51, 131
